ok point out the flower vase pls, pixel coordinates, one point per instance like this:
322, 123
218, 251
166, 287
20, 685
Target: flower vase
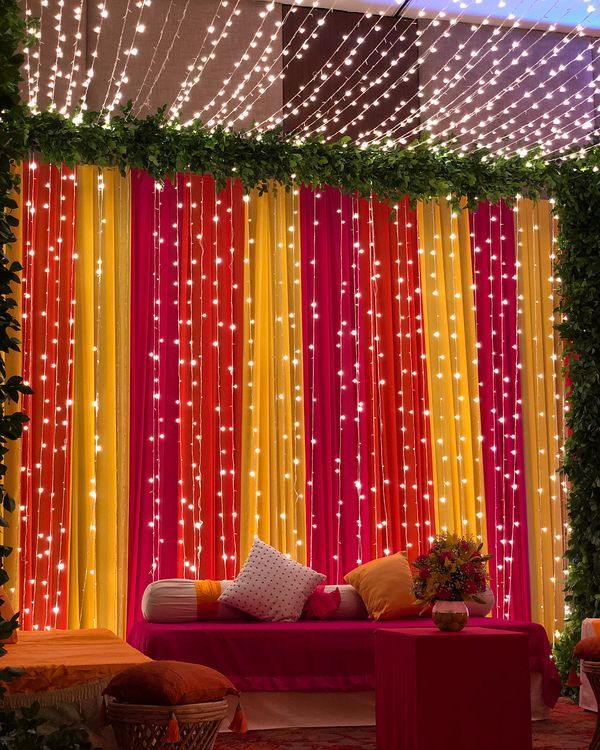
450, 616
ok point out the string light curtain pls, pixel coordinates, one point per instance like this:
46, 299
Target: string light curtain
495, 274
154, 386
543, 409
48, 252
211, 303
100, 447
273, 458
341, 377
338, 497
451, 347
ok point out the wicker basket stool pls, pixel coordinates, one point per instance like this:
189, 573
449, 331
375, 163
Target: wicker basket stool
592, 671
140, 727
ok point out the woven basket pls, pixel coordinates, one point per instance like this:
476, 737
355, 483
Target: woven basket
139, 727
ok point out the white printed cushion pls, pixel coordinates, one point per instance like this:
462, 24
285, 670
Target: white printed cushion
483, 607
270, 586
351, 606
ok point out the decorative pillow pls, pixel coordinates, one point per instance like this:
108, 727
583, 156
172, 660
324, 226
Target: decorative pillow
169, 683
484, 607
588, 649
321, 604
182, 600
7, 613
270, 586
385, 586
351, 606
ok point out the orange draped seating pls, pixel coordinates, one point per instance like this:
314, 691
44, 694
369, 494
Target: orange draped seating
67, 659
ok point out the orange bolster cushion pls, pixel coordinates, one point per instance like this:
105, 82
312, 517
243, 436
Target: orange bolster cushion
169, 683
588, 649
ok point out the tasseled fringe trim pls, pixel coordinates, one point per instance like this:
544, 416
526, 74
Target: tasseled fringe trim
239, 723
73, 694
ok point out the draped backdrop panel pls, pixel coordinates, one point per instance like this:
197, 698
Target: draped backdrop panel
339, 377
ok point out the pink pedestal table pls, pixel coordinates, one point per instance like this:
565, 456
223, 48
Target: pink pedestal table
467, 690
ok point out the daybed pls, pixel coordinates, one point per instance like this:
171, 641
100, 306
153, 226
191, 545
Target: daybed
313, 672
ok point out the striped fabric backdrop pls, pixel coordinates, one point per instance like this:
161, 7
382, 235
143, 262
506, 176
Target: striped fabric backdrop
341, 377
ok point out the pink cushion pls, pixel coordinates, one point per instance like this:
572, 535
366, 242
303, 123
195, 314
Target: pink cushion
321, 604
270, 586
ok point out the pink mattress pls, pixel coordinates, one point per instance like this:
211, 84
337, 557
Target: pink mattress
306, 655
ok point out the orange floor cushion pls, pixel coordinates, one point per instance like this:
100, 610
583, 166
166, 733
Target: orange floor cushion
57, 659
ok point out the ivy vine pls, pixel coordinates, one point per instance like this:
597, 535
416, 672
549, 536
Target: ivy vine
578, 205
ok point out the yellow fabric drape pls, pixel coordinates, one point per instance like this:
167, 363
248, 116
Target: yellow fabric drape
451, 352
12, 478
273, 465
100, 444
543, 411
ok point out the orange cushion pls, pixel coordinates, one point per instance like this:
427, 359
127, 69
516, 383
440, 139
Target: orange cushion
169, 683
385, 586
588, 649
7, 613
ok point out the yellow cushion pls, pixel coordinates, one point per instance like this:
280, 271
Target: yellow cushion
385, 586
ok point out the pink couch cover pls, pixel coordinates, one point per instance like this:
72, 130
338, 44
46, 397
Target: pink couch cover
306, 655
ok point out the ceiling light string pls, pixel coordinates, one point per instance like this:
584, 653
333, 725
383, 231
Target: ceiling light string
467, 65
37, 55
104, 14
129, 52
165, 59
348, 93
58, 53
155, 51
71, 83
90, 71
283, 53
526, 95
529, 72
28, 53
305, 47
275, 118
450, 83
184, 91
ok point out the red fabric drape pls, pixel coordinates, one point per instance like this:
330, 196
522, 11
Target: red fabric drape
211, 288
397, 401
336, 422
48, 232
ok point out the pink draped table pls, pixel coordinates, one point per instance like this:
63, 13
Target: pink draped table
467, 690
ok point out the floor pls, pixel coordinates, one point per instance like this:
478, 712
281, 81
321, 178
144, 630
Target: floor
569, 728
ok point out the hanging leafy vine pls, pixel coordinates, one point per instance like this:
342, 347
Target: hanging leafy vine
578, 204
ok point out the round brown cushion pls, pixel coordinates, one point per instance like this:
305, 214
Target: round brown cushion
169, 683
588, 649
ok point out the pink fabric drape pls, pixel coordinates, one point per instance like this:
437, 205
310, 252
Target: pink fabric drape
153, 493
335, 417
496, 300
